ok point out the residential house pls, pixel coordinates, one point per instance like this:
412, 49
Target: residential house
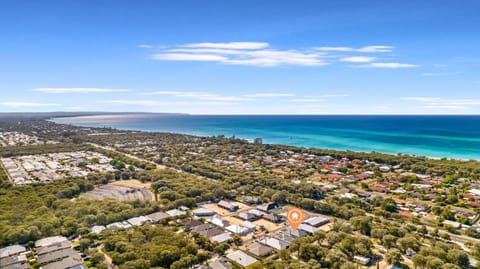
157, 217
49, 241
207, 230
221, 263
247, 216
241, 258
119, 225
316, 221
361, 260
221, 237
275, 243
453, 224
249, 225
203, 212
219, 222
70, 262
97, 229
267, 207
57, 253
176, 213
272, 218
228, 206
307, 228
237, 229
14, 257
191, 224
297, 232
138, 221
260, 250
379, 187
250, 200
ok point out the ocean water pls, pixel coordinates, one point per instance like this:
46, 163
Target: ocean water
432, 136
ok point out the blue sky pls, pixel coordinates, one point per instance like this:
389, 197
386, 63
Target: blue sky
241, 56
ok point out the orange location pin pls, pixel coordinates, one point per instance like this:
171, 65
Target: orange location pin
295, 217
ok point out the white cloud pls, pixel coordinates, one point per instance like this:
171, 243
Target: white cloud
439, 103
142, 102
188, 57
208, 51
444, 107
145, 46
358, 59
367, 49
261, 54
78, 90
162, 93
388, 65
27, 104
241, 53
201, 96
334, 95
277, 57
224, 98
151, 103
268, 94
421, 99
307, 100
441, 74
229, 45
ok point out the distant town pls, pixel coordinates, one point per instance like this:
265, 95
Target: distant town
76, 197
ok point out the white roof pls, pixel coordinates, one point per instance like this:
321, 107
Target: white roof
315, 221
275, 243
475, 192
384, 168
226, 204
237, 229
296, 233
175, 212
49, 241
452, 223
241, 258
11, 250
363, 260
307, 228
157, 216
137, 221
97, 229
219, 222
256, 212
248, 224
203, 211
119, 225
221, 237
348, 195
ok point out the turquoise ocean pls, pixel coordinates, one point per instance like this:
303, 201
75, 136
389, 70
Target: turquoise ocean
432, 136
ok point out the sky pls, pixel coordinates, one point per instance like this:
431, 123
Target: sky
241, 56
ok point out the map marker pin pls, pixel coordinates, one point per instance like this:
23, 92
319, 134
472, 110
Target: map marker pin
295, 217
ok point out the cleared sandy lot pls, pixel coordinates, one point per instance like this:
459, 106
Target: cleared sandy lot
121, 190
269, 226
233, 220
224, 212
132, 183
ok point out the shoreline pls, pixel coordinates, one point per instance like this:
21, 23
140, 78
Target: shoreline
250, 139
